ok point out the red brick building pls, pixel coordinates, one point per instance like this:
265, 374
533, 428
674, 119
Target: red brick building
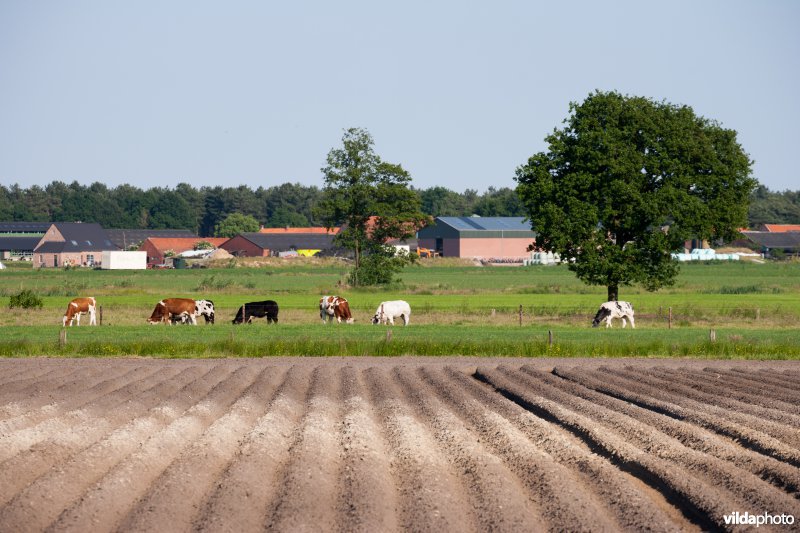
158, 248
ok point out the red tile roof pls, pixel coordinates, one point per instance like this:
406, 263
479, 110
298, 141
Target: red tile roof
333, 231
181, 244
781, 228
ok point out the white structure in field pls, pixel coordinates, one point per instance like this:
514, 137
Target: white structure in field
705, 254
113, 260
542, 258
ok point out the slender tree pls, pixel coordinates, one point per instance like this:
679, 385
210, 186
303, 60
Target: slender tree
627, 181
373, 203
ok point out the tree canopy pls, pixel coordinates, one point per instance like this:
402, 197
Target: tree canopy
371, 200
626, 181
236, 223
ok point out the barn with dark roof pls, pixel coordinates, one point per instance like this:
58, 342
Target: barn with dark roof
72, 244
501, 238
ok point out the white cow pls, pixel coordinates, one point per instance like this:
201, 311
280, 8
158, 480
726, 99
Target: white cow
611, 310
388, 311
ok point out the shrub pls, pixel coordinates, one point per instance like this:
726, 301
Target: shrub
26, 300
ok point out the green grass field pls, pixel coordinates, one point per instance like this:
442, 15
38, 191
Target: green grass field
457, 309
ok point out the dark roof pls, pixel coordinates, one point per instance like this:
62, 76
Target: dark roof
127, 237
787, 240
477, 227
19, 244
299, 241
79, 237
24, 227
486, 223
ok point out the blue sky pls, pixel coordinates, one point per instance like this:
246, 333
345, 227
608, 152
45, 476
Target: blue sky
154, 93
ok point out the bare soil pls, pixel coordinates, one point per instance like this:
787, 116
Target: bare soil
395, 444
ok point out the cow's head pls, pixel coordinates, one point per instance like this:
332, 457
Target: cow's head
601, 315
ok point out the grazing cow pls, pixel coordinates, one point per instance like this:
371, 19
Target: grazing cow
77, 307
335, 307
248, 311
182, 308
204, 308
388, 311
611, 310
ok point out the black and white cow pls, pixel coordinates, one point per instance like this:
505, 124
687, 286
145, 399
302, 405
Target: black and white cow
248, 311
611, 310
205, 308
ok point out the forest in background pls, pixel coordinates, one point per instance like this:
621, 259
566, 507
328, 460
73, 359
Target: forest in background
289, 204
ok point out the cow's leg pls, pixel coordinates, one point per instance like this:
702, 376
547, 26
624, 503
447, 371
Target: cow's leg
391, 320
405, 319
78, 318
624, 323
633, 325
608, 322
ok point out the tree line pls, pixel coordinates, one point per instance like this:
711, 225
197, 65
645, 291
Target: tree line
290, 204
202, 209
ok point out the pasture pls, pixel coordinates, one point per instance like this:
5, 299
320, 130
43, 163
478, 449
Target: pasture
457, 309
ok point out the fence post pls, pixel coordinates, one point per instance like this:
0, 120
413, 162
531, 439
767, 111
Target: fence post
388, 335
712, 335
549, 338
758, 313
62, 337
670, 318
520, 314
101, 315
493, 312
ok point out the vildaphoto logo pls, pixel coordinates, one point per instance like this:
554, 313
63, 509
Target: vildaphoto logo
765, 519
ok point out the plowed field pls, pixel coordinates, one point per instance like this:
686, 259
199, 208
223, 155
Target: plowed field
387, 444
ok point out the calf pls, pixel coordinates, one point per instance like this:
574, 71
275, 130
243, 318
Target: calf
77, 307
248, 311
611, 310
388, 311
335, 307
183, 308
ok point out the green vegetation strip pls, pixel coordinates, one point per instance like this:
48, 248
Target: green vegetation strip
261, 340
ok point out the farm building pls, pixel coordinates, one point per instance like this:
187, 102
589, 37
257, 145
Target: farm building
503, 238
72, 244
18, 239
128, 239
159, 248
786, 242
267, 244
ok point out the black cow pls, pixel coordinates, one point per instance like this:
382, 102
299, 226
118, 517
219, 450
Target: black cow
248, 311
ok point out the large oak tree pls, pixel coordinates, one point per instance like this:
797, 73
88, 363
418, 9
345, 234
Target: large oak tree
626, 181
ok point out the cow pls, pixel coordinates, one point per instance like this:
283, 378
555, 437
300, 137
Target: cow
248, 311
77, 307
204, 308
335, 307
388, 311
611, 310
166, 309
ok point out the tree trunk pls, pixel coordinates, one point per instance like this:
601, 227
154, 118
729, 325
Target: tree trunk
613, 293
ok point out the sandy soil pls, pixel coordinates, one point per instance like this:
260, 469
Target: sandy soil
391, 444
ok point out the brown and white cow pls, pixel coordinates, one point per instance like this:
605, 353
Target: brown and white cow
335, 308
77, 307
168, 308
